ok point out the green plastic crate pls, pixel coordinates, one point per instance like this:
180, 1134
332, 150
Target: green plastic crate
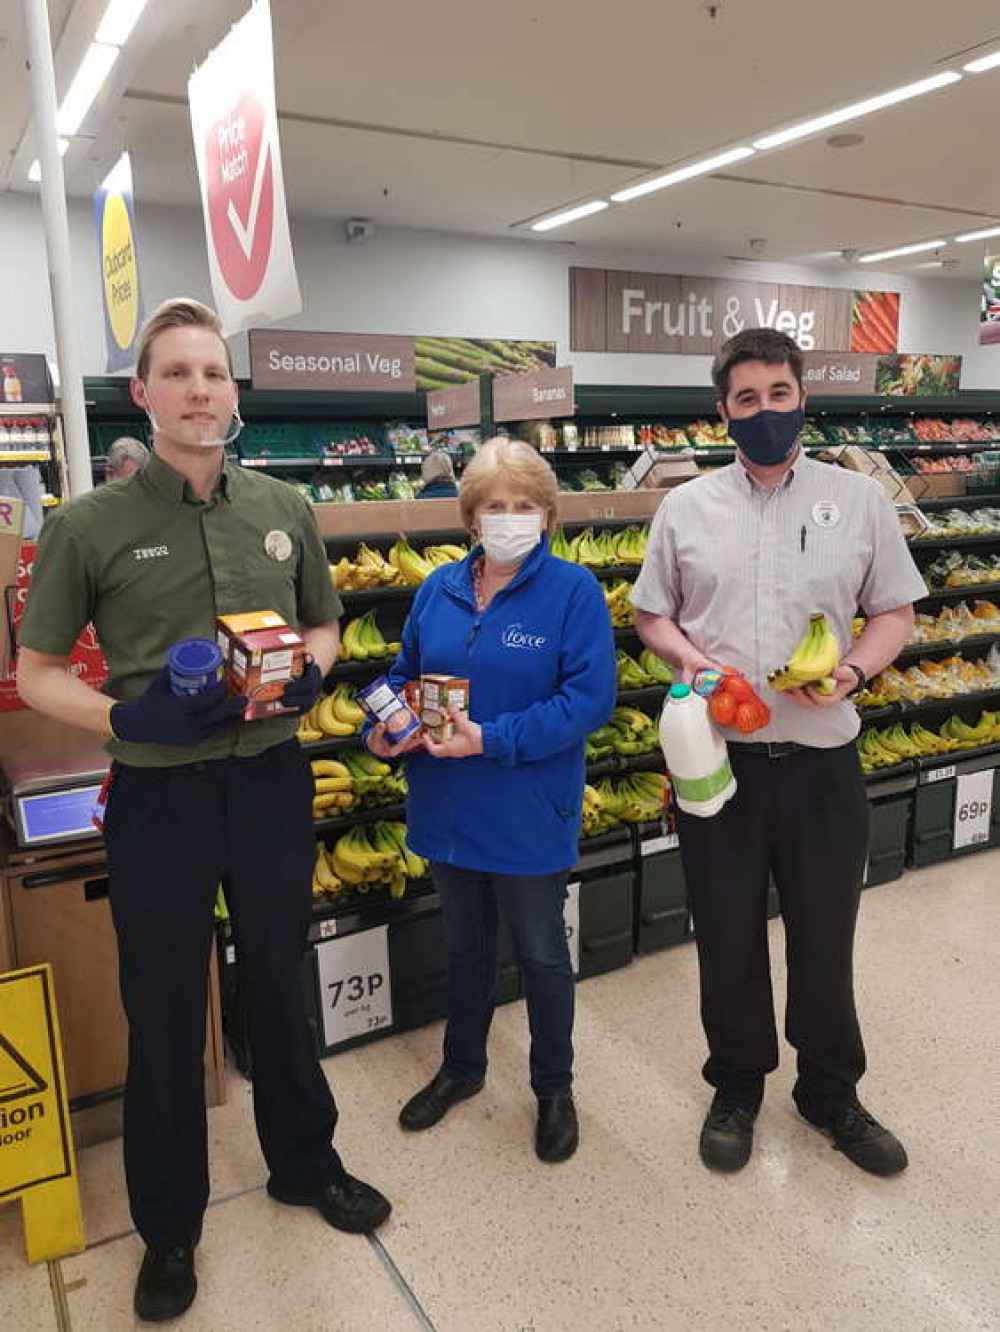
607, 912
888, 839
662, 918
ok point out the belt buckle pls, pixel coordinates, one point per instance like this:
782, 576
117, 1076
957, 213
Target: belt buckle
778, 749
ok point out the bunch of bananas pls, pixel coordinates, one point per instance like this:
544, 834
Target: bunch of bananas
446, 554
602, 550
356, 779
631, 675
639, 798
659, 670
368, 569
362, 640
335, 714
334, 788
619, 607
894, 744
596, 818
411, 566
628, 731
812, 661
374, 854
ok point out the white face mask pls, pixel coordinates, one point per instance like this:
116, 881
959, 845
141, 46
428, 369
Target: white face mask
235, 426
509, 537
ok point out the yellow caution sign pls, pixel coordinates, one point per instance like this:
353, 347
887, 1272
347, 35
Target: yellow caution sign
37, 1163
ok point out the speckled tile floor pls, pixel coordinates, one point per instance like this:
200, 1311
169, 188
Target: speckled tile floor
633, 1233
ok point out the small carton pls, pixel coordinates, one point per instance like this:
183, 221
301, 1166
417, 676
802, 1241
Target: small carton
438, 693
260, 654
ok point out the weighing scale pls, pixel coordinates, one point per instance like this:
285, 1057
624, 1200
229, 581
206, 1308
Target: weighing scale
53, 774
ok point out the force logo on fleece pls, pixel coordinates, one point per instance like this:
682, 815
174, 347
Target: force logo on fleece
514, 636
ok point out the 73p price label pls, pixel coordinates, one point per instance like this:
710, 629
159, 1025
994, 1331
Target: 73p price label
355, 985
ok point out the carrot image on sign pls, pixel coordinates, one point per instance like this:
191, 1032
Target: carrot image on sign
875, 321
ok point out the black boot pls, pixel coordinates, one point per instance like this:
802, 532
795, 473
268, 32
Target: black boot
558, 1134
166, 1285
727, 1136
862, 1139
433, 1102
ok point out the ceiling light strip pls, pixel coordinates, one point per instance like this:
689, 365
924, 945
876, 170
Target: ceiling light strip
983, 63
682, 173
856, 110
902, 250
94, 69
977, 235
119, 19
570, 215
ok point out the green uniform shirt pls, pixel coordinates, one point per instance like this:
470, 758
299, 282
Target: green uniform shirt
148, 563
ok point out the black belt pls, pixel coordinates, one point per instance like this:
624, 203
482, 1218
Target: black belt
773, 749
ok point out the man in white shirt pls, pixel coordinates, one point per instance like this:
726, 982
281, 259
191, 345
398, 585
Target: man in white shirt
737, 562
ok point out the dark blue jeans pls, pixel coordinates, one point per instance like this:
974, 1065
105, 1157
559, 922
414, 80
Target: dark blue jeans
532, 905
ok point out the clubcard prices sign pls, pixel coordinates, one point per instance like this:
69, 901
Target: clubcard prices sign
235, 125
114, 212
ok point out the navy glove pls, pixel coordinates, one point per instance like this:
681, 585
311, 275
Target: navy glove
302, 692
161, 717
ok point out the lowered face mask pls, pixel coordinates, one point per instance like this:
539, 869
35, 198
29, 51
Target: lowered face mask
509, 537
767, 438
235, 426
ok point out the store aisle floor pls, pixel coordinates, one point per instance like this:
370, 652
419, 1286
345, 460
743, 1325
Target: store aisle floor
633, 1233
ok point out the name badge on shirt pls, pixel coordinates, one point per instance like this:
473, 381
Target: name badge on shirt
278, 545
826, 513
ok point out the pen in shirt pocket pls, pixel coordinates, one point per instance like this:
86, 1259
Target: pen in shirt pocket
802, 540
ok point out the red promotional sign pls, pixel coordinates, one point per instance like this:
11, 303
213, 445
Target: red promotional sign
240, 188
234, 124
86, 661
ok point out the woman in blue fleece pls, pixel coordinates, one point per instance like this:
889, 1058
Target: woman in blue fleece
496, 810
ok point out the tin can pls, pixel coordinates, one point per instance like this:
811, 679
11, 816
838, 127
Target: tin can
381, 702
195, 665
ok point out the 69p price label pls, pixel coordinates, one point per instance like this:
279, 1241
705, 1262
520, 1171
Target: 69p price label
973, 809
355, 985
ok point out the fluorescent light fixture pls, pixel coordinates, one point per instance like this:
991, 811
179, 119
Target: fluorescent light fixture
35, 170
570, 215
119, 19
855, 110
682, 173
119, 177
978, 235
903, 249
94, 69
983, 63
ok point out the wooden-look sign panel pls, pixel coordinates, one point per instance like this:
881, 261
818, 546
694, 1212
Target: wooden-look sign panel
331, 362
828, 373
612, 310
452, 408
534, 397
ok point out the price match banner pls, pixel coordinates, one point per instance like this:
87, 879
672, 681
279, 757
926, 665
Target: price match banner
121, 291
234, 120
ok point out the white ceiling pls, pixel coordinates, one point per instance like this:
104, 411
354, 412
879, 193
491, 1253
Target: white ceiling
453, 116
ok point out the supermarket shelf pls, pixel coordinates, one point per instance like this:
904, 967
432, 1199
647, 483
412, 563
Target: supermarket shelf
936, 767
332, 743
987, 499
360, 670
983, 698
375, 596
954, 542
960, 593
394, 813
897, 780
614, 571
944, 648
372, 908
651, 695
281, 464
25, 455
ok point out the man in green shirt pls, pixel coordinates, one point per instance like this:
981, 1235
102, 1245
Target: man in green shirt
197, 795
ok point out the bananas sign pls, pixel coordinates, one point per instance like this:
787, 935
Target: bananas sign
114, 209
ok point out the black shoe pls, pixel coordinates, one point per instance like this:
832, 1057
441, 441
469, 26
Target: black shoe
863, 1140
166, 1285
727, 1136
558, 1133
347, 1204
432, 1103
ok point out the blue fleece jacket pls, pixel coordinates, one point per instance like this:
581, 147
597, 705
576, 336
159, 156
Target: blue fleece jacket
541, 666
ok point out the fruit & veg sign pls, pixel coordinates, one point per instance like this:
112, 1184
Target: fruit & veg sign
235, 125
616, 311
114, 210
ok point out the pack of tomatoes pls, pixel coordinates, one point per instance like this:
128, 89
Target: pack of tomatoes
732, 700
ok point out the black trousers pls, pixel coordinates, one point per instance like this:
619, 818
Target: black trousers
803, 818
172, 835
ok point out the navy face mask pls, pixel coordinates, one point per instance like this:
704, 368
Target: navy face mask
767, 437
